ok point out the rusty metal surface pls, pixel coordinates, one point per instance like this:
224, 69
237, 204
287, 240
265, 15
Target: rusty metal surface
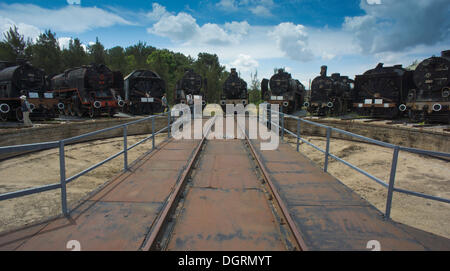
120, 215
222, 211
329, 215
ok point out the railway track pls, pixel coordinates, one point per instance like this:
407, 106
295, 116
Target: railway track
224, 201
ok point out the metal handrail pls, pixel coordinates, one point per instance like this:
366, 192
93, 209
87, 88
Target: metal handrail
396, 148
61, 143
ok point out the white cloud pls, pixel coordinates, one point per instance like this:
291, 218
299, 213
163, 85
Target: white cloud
74, 2
227, 5
393, 25
245, 63
261, 11
184, 28
72, 18
292, 40
180, 27
28, 31
64, 42
157, 12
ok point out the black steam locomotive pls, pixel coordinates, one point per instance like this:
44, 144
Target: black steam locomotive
190, 87
330, 95
85, 90
382, 91
21, 78
429, 101
141, 92
234, 90
285, 91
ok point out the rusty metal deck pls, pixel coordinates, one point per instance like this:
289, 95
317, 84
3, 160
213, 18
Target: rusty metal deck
120, 215
225, 207
329, 215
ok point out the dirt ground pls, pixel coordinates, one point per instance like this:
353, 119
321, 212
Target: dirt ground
42, 168
414, 172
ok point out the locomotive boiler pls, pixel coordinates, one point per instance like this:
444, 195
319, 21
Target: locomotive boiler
381, 92
190, 87
429, 100
21, 78
85, 90
330, 95
234, 90
142, 92
285, 91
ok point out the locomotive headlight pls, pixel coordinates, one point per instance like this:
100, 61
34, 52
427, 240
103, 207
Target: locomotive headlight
97, 104
306, 104
330, 104
4, 108
222, 102
402, 107
60, 106
437, 107
203, 102
244, 102
285, 104
121, 103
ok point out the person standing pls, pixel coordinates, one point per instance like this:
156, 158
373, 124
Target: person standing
164, 103
26, 109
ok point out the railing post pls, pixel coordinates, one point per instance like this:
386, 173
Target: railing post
269, 117
282, 125
153, 133
391, 183
62, 175
327, 151
125, 148
168, 123
298, 135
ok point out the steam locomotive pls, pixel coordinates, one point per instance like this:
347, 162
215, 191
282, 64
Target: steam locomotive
285, 91
141, 92
192, 86
21, 78
234, 90
85, 90
382, 91
429, 101
330, 95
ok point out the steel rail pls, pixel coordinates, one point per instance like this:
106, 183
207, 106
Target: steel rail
151, 242
301, 244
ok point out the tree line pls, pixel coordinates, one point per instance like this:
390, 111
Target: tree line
45, 53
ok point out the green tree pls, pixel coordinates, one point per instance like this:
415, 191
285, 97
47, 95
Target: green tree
254, 92
208, 66
46, 53
97, 52
117, 61
140, 51
75, 55
13, 45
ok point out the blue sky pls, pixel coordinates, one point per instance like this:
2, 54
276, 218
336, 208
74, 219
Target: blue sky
300, 35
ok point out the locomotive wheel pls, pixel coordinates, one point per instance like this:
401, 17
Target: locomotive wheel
72, 110
3, 117
19, 114
415, 116
91, 112
111, 112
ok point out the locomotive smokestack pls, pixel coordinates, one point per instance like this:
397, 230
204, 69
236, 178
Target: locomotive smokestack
379, 66
233, 70
323, 70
